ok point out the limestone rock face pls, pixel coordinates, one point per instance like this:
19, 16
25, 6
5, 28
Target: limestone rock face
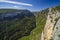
52, 26
56, 32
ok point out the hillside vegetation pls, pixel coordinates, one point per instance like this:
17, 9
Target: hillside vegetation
16, 24
40, 23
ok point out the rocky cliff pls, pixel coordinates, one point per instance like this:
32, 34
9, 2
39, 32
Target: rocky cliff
52, 26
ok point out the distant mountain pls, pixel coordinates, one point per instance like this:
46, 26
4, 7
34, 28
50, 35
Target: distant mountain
12, 13
15, 24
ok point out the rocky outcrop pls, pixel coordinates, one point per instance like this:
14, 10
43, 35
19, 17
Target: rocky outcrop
56, 31
52, 27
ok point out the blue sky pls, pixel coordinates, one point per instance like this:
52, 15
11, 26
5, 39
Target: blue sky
33, 5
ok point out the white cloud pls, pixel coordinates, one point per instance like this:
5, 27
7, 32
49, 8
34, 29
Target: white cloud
13, 2
17, 7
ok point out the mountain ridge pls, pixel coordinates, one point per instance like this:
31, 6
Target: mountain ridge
16, 24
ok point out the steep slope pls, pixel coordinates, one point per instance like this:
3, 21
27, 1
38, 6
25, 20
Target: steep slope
51, 30
15, 24
41, 17
49, 24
